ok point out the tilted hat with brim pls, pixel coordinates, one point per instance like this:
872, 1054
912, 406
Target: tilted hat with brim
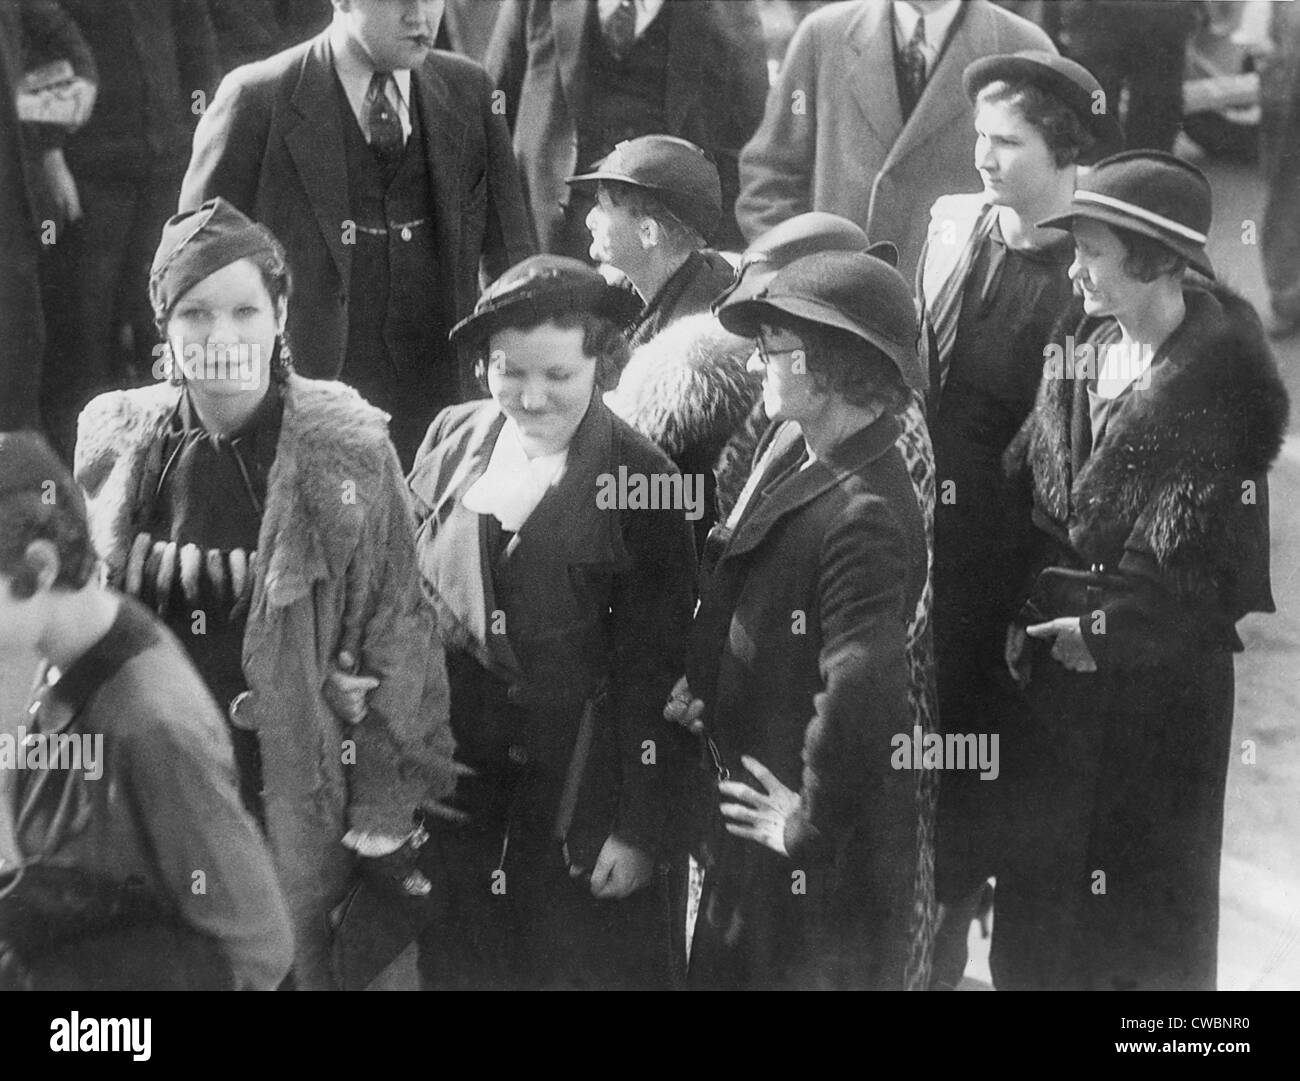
1073, 84
29, 464
851, 291
1151, 193
676, 172
540, 288
804, 234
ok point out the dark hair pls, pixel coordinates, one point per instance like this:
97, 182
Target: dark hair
1064, 133
842, 363
643, 204
26, 516
601, 339
1146, 258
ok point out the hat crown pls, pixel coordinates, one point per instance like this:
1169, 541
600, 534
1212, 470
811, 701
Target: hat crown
867, 290
540, 274
1156, 182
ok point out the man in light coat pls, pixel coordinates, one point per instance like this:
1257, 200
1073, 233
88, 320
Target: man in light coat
837, 135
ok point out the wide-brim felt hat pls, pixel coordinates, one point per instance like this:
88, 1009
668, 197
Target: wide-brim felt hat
794, 238
1073, 84
539, 288
848, 290
675, 171
1151, 193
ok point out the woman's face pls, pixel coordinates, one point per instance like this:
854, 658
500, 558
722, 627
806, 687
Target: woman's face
543, 381
1012, 157
789, 392
223, 332
1098, 271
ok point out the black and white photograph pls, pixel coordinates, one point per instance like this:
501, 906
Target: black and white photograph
650, 495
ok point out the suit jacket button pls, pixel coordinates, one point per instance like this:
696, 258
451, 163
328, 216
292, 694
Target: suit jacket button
406, 232
518, 754
515, 694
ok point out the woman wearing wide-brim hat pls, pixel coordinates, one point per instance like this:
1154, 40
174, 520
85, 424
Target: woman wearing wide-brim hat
798, 672
564, 596
1146, 456
991, 285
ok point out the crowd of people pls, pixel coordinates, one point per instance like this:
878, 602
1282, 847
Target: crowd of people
604, 517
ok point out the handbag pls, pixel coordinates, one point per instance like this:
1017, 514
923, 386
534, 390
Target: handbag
70, 929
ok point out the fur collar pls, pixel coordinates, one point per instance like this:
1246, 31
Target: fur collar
1169, 478
329, 465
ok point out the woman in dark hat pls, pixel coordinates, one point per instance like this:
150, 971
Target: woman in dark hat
263, 516
1156, 422
555, 544
992, 283
798, 673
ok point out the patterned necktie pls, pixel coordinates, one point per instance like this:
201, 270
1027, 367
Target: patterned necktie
386, 138
619, 29
913, 60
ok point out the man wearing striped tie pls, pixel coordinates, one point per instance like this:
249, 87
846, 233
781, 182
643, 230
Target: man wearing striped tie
385, 166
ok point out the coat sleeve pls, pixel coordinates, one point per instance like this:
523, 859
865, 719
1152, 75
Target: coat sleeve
404, 745
508, 235
229, 145
745, 91
506, 59
651, 611
776, 165
211, 859
848, 776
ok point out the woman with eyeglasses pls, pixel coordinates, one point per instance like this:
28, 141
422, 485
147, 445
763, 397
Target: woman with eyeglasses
798, 673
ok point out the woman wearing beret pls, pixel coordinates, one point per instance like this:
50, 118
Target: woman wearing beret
798, 671
992, 283
1156, 422
564, 594
264, 516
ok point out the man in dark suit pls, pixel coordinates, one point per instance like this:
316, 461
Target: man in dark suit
583, 75
382, 167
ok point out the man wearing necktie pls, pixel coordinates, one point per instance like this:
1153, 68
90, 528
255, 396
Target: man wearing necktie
384, 166
867, 118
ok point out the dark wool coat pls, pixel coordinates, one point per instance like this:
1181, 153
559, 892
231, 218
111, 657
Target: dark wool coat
1117, 781
800, 653
271, 143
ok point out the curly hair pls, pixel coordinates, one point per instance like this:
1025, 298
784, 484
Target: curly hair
1146, 258
602, 340
1059, 125
844, 364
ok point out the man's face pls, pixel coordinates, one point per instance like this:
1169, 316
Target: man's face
615, 234
393, 33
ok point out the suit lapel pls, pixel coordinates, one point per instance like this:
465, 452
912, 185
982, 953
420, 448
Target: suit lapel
943, 97
315, 144
871, 74
444, 138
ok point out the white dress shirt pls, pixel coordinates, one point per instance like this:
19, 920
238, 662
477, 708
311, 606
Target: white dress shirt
646, 10
937, 26
355, 71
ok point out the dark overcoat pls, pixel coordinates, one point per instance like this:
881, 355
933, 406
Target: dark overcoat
1117, 779
799, 653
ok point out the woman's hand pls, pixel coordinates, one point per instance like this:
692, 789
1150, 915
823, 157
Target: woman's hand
1068, 645
759, 817
684, 709
1013, 653
621, 869
62, 187
346, 692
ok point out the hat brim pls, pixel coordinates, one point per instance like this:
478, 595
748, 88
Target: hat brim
1195, 254
532, 308
744, 317
1104, 127
700, 214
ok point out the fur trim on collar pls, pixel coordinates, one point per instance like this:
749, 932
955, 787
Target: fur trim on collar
1169, 478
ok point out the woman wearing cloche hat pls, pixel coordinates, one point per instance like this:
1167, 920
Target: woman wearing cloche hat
992, 283
263, 516
1146, 455
811, 838
555, 543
